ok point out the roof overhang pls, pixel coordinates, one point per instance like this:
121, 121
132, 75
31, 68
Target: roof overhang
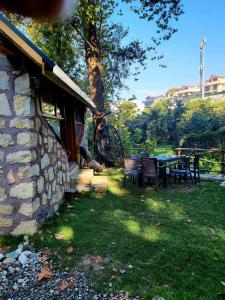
49, 69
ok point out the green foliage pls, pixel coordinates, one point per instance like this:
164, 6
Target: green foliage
207, 139
67, 42
124, 112
194, 122
202, 115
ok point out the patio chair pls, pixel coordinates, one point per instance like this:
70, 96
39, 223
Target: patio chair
194, 167
144, 155
150, 170
182, 170
132, 169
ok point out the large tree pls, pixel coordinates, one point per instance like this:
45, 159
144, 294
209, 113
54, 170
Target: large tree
92, 41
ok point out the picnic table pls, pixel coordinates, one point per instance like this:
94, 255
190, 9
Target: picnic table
163, 160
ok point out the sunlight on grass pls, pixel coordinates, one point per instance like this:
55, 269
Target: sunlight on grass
176, 211
116, 189
220, 233
66, 233
132, 226
156, 206
150, 233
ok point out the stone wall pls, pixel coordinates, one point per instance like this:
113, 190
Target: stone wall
33, 164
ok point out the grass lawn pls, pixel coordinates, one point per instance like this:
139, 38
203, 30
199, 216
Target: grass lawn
168, 242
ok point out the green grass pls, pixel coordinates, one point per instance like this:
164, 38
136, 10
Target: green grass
169, 242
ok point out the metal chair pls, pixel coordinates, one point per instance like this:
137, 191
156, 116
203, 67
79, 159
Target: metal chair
150, 169
132, 169
194, 167
144, 155
182, 170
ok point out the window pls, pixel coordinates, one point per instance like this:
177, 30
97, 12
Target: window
51, 111
65, 115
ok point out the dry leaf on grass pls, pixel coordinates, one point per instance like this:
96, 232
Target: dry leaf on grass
44, 257
96, 259
70, 250
44, 274
159, 223
64, 285
59, 236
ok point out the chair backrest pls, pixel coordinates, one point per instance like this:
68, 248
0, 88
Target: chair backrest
196, 161
131, 164
150, 166
135, 156
144, 155
184, 163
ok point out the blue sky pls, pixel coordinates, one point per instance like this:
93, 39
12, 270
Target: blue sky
202, 18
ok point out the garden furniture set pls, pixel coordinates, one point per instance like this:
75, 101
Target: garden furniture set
170, 168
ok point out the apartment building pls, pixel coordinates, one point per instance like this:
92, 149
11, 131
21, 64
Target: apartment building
150, 100
185, 92
215, 85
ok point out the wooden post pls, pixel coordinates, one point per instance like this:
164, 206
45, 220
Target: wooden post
223, 161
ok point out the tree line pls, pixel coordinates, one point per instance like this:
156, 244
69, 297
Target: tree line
191, 123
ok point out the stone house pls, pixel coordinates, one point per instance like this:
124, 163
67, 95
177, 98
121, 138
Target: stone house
42, 117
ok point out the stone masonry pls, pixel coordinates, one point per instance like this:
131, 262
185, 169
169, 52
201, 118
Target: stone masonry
33, 163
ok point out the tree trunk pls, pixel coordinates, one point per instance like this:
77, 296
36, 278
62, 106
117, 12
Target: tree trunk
92, 56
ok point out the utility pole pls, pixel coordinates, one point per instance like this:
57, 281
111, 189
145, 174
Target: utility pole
202, 67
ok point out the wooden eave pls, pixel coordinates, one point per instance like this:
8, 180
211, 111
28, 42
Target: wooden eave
48, 67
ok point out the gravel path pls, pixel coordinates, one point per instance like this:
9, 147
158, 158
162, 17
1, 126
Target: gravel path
25, 274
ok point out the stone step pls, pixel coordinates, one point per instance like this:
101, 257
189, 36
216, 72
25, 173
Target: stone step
85, 177
86, 182
82, 189
99, 184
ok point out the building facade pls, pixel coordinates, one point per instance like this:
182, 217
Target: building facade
42, 118
151, 100
185, 92
215, 85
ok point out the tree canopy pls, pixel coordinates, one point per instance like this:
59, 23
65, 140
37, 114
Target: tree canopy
93, 48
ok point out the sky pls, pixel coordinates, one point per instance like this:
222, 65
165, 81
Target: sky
201, 18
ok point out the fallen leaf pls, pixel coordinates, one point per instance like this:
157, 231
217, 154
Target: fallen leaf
44, 257
96, 259
70, 250
44, 274
59, 236
159, 223
64, 285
